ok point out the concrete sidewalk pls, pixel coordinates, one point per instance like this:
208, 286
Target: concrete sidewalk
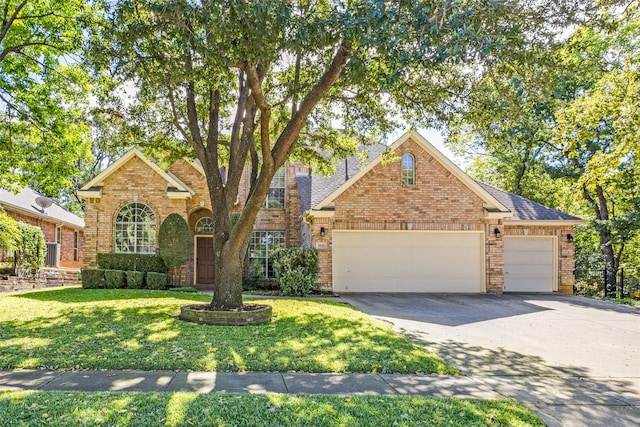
559, 401
247, 382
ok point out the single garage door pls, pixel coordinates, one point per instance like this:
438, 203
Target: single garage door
408, 261
529, 264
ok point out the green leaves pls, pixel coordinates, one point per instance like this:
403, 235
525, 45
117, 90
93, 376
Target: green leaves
43, 90
174, 240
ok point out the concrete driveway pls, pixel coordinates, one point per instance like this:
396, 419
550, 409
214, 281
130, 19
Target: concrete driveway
575, 361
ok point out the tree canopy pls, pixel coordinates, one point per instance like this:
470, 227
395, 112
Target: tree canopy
43, 92
238, 82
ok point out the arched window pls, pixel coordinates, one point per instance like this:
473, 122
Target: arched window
408, 170
204, 226
135, 230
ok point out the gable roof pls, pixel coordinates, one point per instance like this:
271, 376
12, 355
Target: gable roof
525, 209
25, 203
175, 187
328, 195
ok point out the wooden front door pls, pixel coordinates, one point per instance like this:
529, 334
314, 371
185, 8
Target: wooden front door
204, 261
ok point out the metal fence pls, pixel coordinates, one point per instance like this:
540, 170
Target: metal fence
608, 283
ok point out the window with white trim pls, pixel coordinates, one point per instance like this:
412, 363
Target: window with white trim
135, 229
408, 170
261, 244
275, 198
204, 225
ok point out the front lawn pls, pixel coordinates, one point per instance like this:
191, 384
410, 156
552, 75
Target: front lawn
75, 328
221, 409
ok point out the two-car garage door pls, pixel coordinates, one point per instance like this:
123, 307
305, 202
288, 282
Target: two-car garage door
408, 261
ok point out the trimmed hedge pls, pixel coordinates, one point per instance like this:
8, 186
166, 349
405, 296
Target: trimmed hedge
135, 279
131, 262
114, 279
92, 279
156, 280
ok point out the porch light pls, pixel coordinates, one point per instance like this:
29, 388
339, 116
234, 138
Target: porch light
497, 232
570, 238
409, 226
202, 203
322, 232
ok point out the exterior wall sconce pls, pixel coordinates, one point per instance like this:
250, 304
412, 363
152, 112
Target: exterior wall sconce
497, 232
322, 232
135, 197
202, 203
409, 226
570, 238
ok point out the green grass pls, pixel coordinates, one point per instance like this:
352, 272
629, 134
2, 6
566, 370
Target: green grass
220, 409
74, 328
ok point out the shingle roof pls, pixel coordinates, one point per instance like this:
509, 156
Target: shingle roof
314, 189
25, 201
322, 186
525, 209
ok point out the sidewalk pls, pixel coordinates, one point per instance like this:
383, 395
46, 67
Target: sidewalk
559, 401
246, 382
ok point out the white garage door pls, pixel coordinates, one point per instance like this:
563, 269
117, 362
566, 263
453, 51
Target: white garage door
529, 264
408, 261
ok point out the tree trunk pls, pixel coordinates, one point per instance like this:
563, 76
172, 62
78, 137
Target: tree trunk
227, 292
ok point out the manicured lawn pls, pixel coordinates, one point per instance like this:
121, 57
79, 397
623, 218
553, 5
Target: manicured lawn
185, 409
74, 328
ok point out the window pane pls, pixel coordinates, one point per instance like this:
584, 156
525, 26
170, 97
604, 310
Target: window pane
135, 229
261, 243
408, 170
204, 226
275, 198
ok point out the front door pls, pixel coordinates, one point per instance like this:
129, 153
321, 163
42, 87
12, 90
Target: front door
204, 261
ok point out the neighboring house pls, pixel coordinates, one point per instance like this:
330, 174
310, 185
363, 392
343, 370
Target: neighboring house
416, 224
63, 231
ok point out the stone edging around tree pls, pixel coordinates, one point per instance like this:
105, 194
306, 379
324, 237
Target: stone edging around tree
252, 315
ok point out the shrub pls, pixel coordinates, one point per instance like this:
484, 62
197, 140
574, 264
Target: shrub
156, 280
296, 269
31, 248
92, 278
296, 284
135, 279
174, 240
114, 279
9, 232
131, 262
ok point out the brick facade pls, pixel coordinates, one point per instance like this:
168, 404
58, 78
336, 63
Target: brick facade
440, 200
136, 181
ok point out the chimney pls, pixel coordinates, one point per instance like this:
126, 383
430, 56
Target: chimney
346, 169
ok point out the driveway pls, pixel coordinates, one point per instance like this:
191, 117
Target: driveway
575, 361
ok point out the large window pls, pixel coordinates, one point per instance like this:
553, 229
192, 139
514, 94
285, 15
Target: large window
135, 229
260, 245
275, 198
204, 225
408, 170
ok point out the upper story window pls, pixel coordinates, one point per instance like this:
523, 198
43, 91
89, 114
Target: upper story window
275, 198
135, 229
408, 170
204, 226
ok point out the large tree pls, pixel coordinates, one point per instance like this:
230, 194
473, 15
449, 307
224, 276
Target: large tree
43, 92
568, 120
252, 82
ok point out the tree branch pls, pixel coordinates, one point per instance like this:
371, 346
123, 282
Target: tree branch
6, 25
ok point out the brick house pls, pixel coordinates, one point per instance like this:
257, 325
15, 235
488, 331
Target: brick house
63, 231
416, 223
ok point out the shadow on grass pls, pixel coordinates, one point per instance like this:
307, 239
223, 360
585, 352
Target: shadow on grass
144, 333
172, 409
76, 295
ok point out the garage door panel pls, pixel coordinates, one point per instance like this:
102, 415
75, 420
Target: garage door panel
529, 264
379, 261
